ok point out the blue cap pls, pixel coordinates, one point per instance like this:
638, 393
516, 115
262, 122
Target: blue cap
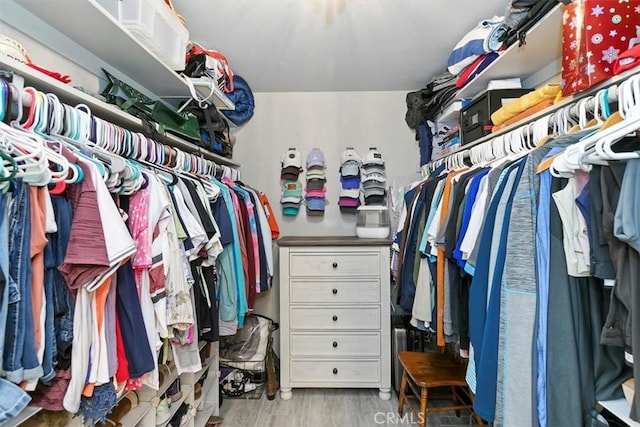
315, 203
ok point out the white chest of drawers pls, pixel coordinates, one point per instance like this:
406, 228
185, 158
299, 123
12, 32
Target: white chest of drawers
334, 314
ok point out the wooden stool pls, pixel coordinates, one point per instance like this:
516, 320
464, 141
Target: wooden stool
423, 371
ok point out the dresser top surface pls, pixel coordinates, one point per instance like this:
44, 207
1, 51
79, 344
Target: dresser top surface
331, 241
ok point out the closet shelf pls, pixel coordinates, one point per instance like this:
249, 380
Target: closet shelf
206, 388
186, 392
572, 100
543, 46
101, 34
450, 112
620, 408
134, 416
111, 113
205, 368
168, 381
26, 413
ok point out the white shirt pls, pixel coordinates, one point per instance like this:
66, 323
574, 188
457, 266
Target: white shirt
477, 217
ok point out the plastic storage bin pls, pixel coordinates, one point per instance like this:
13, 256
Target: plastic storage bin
154, 25
372, 222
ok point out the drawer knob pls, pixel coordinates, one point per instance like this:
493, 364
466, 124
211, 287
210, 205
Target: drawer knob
335, 318
335, 265
335, 344
335, 371
335, 291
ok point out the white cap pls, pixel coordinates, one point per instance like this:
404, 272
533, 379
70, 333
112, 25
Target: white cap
374, 177
291, 158
353, 193
350, 168
350, 155
373, 157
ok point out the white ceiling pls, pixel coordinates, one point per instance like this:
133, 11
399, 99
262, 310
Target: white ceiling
334, 45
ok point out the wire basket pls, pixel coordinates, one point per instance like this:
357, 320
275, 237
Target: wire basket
243, 358
243, 380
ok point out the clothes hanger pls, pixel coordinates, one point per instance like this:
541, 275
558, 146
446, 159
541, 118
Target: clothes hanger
630, 125
4, 99
587, 142
628, 94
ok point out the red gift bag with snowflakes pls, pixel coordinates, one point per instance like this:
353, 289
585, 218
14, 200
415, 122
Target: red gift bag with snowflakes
594, 33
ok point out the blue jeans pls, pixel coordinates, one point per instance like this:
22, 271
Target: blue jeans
49, 334
60, 303
13, 401
20, 358
4, 267
63, 302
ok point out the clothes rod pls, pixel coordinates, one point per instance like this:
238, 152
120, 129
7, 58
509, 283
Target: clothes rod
610, 84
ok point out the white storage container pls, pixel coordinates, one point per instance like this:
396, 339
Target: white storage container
154, 24
372, 222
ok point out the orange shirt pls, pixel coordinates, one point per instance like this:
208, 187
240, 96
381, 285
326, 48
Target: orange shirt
38, 243
441, 261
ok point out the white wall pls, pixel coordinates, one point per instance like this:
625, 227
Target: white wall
330, 121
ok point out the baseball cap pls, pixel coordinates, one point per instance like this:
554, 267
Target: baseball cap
315, 158
350, 168
349, 202
290, 199
315, 183
350, 182
374, 192
315, 203
374, 200
373, 184
373, 157
291, 170
292, 188
374, 177
369, 169
349, 155
316, 175
290, 211
316, 193
353, 193
349, 209
291, 158
311, 212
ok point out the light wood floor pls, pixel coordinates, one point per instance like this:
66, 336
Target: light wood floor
326, 408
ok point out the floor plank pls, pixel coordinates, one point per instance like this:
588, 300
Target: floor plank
328, 408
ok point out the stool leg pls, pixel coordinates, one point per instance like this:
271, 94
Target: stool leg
456, 401
403, 390
422, 416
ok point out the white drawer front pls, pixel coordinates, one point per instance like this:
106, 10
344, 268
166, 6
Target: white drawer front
366, 344
326, 264
335, 318
335, 291
327, 371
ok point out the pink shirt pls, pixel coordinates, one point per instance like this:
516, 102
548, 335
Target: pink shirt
139, 224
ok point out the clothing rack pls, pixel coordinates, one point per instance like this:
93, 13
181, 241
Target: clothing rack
22, 75
569, 111
148, 151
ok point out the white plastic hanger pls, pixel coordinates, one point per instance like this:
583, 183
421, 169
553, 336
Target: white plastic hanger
593, 147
